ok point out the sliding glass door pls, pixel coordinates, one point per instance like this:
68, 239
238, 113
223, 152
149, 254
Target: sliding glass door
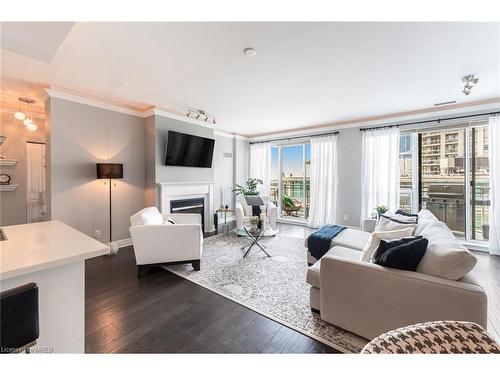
290, 180
480, 183
446, 170
442, 171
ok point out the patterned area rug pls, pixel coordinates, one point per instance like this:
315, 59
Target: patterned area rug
272, 286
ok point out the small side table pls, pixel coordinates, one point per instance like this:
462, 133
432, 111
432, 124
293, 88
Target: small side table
369, 224
224, 211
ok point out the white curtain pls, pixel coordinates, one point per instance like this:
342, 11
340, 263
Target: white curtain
494, 156
323, 180
379, 170
260, 165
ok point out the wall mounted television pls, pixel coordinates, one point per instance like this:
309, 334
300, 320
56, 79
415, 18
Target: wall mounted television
186, 150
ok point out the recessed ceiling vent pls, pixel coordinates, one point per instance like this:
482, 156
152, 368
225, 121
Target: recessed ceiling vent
445, 103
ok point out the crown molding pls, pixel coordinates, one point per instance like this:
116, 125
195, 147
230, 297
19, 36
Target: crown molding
230, 135
389, 119
55, 93
154, 111
177, 116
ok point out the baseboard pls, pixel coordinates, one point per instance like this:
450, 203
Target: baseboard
123, 242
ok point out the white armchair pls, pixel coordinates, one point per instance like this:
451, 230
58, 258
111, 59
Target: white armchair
243, 211
157, 242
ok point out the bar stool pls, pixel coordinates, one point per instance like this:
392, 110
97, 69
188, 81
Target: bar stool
19, 327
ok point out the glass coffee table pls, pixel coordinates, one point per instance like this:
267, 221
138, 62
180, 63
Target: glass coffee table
255, 237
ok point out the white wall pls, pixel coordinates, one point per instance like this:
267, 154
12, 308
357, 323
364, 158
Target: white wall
79, 136
349, 177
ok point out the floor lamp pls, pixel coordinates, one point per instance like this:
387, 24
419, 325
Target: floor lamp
110, 171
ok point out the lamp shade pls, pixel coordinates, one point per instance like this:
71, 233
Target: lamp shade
109, 170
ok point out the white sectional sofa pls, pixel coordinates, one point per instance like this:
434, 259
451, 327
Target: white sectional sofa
368, 299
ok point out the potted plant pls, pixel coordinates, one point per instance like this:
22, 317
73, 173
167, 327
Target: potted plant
250, 187
381, 209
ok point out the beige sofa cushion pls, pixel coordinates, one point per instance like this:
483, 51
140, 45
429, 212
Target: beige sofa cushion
350, 238
312, 277
445, 256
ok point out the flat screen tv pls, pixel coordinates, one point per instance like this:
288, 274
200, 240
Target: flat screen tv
186, 150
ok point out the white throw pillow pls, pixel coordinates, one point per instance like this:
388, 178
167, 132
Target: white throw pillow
374, 241
445, 256
422, 224
385, 224
426, 214
152, 217
405, 218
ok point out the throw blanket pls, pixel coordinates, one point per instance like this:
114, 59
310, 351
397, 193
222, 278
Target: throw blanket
319, 241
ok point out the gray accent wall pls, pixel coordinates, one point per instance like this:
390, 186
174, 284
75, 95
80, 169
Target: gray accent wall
223, 167
14, 203
179, 174
229, 164
79, 136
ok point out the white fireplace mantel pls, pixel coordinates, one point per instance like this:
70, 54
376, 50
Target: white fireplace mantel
183, 190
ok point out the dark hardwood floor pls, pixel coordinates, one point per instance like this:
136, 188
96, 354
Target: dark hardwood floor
164, 313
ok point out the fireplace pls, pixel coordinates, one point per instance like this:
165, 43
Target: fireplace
202, 192
191, 206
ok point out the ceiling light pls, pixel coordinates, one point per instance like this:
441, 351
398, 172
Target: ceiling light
31, 127
28, 122
19, 115
201, 115
470, 80
250, 51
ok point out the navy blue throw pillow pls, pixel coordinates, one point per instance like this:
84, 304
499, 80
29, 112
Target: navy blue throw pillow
385, 245
405, 256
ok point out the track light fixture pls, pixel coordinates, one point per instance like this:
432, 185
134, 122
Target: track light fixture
198, 114
470, 80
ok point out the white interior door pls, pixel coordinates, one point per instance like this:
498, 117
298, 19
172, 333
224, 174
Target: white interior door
36, 186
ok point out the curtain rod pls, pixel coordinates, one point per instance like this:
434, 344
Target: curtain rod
438, 120
296, 137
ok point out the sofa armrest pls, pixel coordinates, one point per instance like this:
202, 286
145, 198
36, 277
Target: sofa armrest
369, 299
166, 243
184, 218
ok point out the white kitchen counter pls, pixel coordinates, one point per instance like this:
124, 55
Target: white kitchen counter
52, 255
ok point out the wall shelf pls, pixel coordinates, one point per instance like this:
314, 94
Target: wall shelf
8, 187
8, 162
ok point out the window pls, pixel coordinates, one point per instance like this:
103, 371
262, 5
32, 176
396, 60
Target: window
443, 176
405, 171
446, 170
480, 183
290, 180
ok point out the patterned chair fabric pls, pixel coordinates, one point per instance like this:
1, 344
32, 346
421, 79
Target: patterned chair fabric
442, 337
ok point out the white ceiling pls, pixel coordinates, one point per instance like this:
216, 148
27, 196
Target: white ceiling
304, 74
38, 40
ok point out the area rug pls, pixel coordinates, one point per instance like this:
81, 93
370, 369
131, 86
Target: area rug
272, 286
